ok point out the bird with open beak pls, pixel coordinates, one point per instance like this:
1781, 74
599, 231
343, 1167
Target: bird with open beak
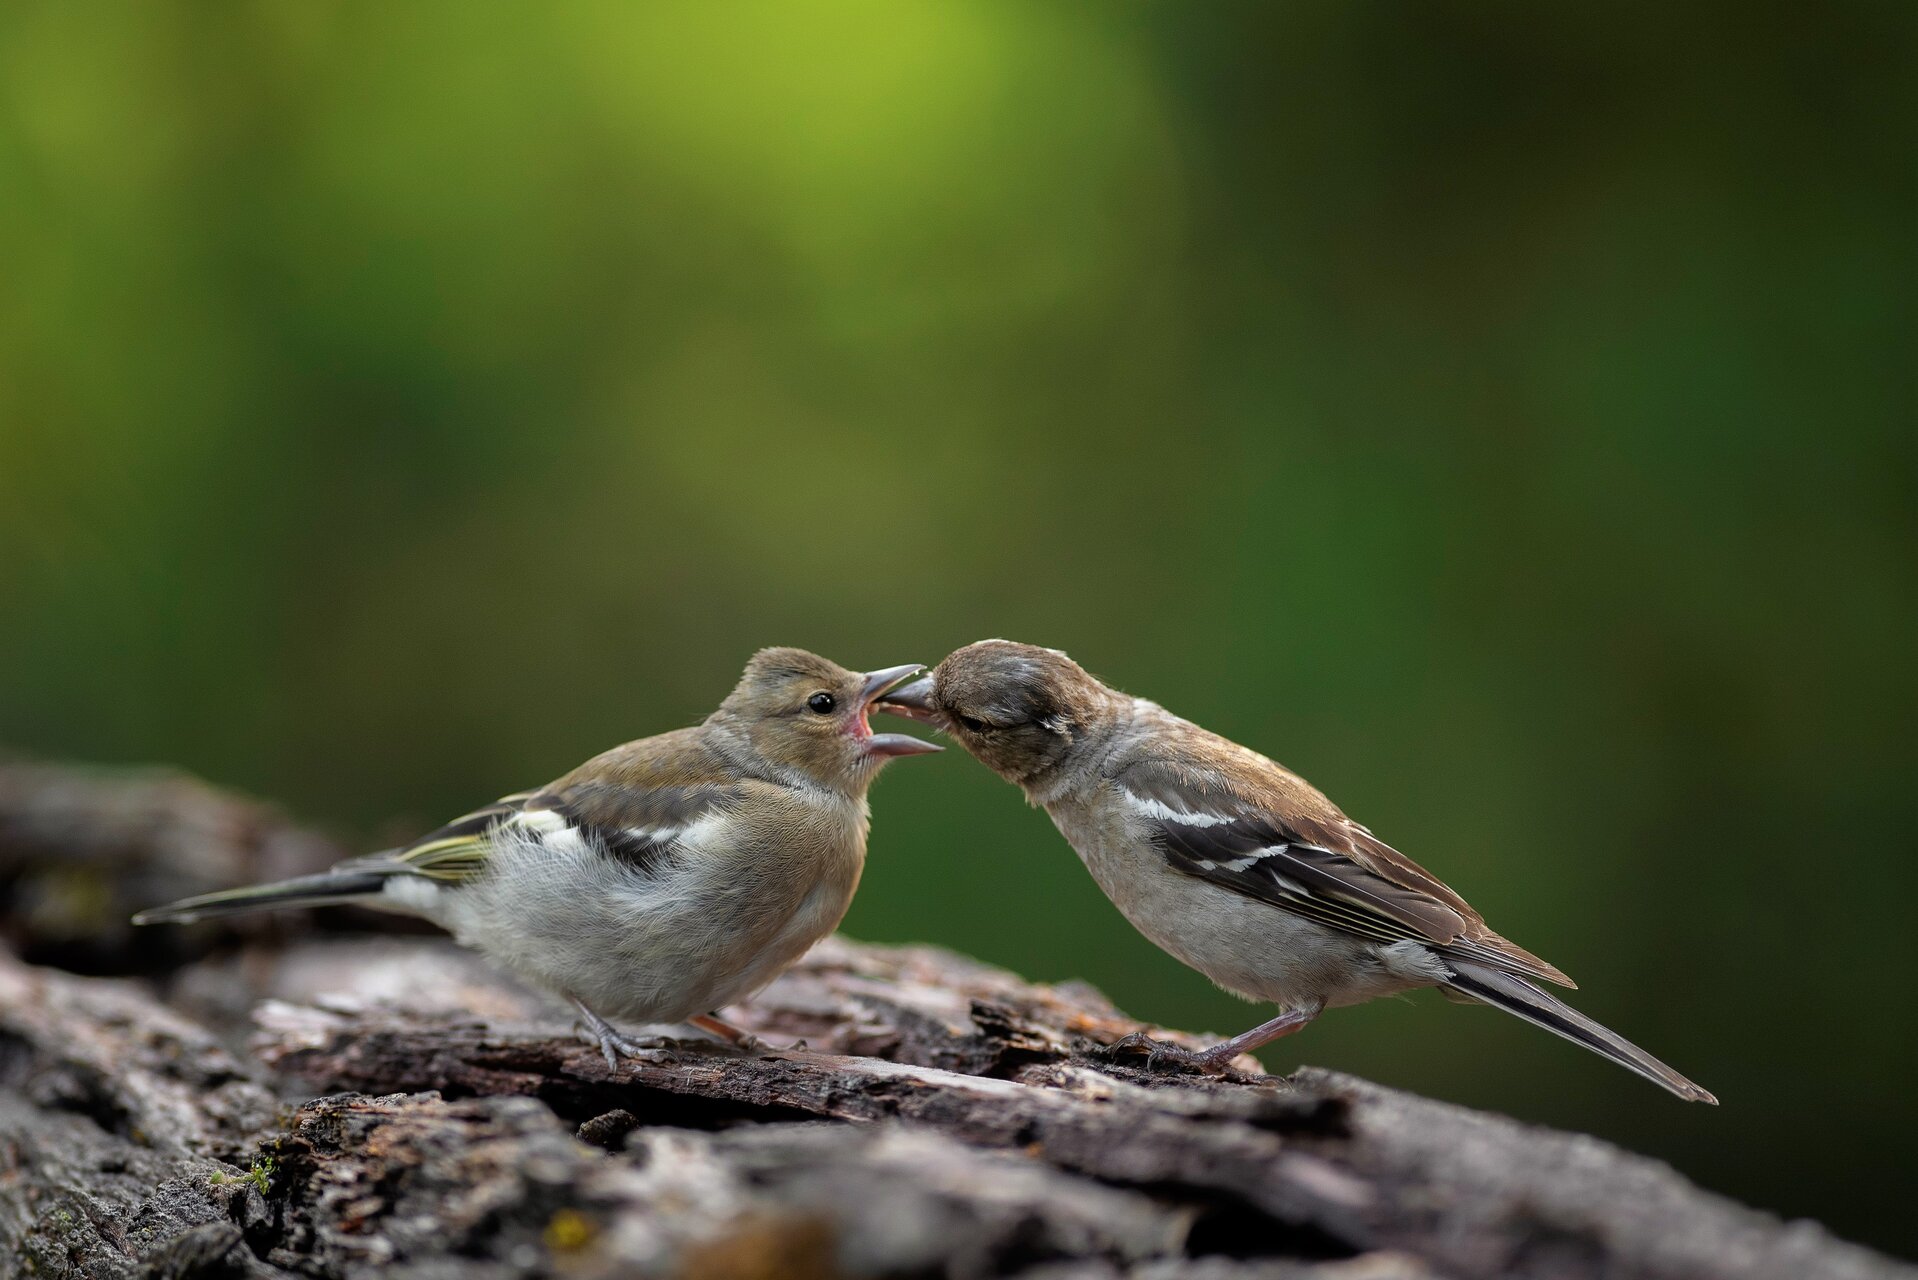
660, 881
1231, 862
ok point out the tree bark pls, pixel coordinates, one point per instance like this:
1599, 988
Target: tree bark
345, 1107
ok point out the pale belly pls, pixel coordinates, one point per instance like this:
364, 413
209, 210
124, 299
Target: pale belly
1250, 948
638, 948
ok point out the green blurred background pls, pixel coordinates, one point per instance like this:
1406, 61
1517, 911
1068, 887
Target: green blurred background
1501, 413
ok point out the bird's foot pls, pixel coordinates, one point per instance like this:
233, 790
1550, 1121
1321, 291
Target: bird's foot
616, 1044
739, 1038
1161, 1055
754, 1045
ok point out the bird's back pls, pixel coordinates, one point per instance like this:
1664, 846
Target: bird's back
1234, 777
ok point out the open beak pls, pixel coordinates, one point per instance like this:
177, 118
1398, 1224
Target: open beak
877, 692
914, 702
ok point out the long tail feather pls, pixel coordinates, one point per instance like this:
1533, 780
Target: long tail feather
325, 889
1521, 999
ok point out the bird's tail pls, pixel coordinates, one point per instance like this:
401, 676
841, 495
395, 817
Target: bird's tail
1521, 999
324, 889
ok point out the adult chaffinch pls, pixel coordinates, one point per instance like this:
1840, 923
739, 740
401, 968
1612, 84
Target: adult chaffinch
1231, 862
662, 880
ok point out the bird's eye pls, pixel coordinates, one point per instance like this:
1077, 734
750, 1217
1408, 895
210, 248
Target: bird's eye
823, 703
973, 724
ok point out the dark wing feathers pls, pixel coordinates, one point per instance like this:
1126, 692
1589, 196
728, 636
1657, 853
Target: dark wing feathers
636, 824
454, 852
1319, 865
1255, 855
476, 822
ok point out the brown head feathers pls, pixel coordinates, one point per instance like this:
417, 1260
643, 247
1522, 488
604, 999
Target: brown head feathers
806, 715
1017, 707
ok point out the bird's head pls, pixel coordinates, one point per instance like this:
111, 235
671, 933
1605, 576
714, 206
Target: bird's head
1016, 707
804, 713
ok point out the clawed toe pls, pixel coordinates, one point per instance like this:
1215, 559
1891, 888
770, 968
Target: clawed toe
658, 1055
1140, 1044
614, 1044
1137, 1042
648, 1049
756, 1045
1161, 1055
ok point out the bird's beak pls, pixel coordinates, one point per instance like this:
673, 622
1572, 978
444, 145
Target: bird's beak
878, 686
914, 702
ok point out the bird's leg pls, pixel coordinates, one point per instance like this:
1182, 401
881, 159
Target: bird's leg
615, 1044
717, 1027
1219, 1057
738, 1037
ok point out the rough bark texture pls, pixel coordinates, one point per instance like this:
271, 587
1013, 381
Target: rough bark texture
339, 1107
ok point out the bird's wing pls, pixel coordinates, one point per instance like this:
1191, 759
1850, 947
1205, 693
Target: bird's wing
456, 851
1309, 859
634, 803
637, 825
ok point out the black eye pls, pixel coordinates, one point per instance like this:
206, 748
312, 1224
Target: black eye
823, 703
973, 724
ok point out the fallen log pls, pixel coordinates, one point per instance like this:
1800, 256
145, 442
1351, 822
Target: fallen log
350, 1107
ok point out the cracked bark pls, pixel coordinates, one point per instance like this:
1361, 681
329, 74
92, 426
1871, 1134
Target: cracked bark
336, 1107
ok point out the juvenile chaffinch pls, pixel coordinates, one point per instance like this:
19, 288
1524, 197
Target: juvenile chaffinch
1231, 862
662, 880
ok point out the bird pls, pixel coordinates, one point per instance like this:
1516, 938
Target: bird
1231, 862
662, 880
